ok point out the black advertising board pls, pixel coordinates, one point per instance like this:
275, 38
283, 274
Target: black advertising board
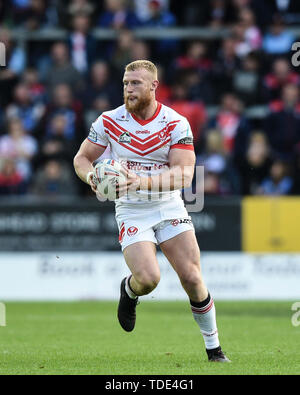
218, 225
88, 225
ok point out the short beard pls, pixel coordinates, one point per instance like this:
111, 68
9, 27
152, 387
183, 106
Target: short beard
139, 106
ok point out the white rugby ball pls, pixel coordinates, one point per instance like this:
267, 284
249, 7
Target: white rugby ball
107, 175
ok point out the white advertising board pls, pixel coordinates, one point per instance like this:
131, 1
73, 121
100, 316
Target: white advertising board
88, 276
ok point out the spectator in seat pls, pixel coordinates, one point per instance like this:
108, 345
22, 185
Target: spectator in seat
83, 46
11, 181
140, 50
121, 53
61, 71
247, 80
81, 7
279, 181
65, 105
161, 18
218, 13
19, 10
20, 147
194, 111
54, 179
244, 45
255, 167
278, 40
232, 124
101, 85
195, 58
39, 15
282, 125
281, 75
25, 108
219, 175
142, 9
118, 15
199, 87
56, 146
226, 63
37, 90
252, 34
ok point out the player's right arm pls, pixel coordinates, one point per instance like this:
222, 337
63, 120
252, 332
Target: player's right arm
84, 159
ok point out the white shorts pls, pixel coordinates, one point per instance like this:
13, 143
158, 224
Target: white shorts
156, 222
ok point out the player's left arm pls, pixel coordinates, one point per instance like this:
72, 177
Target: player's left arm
179, 175
181, 160
182, 166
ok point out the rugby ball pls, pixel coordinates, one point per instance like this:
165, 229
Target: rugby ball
107, 175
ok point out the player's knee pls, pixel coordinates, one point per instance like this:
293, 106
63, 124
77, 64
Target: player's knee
192, 278
149, 281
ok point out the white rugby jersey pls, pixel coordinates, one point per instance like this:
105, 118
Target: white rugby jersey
143, 146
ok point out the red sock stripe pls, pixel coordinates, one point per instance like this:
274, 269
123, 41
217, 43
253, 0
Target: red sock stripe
203, 310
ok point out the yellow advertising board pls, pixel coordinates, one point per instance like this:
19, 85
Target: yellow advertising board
271, 224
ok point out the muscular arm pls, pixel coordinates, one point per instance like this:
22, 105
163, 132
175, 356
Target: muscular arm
180, 174
85, 157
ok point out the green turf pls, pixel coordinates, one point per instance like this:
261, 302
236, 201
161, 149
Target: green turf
85, 338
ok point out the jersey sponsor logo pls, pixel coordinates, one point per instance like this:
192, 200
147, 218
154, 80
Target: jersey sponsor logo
176, 222
132, 230
139, 166
164, 120
123, 119
125, 138
186, 140
142, 132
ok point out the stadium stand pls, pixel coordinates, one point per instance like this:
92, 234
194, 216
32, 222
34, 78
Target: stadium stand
225, 65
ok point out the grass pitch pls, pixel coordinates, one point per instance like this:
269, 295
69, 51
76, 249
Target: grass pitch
85, 338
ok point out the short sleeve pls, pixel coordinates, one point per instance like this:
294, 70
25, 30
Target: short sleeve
182, 136
97, 133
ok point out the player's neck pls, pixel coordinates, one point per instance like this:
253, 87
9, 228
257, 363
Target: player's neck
148, 112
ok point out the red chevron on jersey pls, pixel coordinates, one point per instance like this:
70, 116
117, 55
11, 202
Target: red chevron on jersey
112, 122
135, 148
138, 152
162, 136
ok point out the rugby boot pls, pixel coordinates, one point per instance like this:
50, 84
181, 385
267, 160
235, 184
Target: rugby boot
217, 355
126, 309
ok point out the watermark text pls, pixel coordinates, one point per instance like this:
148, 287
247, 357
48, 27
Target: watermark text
2, 314
296, 316
2, 55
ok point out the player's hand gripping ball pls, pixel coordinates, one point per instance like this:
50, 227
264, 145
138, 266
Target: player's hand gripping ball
108, 174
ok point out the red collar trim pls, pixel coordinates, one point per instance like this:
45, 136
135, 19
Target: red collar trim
145, 121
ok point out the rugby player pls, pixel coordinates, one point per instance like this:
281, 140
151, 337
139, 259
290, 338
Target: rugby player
155, 145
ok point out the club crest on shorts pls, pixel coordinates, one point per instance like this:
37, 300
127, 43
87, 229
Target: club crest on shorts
176, 222
132, 230
125, 138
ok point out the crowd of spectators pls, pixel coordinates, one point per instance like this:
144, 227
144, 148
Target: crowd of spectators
51, 92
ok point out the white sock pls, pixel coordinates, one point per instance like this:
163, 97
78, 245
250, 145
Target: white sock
205, 316
128, 290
